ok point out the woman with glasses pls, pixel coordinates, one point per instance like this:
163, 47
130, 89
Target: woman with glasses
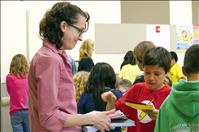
51, 88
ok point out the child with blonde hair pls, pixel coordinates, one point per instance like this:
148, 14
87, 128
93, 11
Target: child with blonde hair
80, 80
85, 56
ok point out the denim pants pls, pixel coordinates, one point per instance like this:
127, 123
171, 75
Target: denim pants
19, 121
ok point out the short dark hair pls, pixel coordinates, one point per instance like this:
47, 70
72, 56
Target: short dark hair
174, 56
191, 63
158, 56
49, 27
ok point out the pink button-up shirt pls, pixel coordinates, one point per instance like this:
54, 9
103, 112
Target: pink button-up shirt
51, 91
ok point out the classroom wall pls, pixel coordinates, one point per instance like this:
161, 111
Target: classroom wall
13, 33
97, 11
195, 12
28, 14
145, 12
19, 31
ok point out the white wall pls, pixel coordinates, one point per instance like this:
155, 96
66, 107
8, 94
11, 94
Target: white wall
180, 14
13, 33
100, 12
13, 27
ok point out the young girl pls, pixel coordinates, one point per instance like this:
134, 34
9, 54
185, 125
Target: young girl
128, 69
102, 79
80, 79
85, 56
17, 87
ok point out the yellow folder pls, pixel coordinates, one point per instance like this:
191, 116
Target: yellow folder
139, 106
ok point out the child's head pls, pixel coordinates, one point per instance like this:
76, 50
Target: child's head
128, 59
123, 85
174, 57
191, 63
86, 49
156, 65
101, 76
139, 51
19, 65
80, 79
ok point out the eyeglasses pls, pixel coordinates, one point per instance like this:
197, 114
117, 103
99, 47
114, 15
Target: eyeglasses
80, 31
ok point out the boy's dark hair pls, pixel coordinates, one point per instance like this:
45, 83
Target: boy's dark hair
174, 56
158, 56
191, 63
49, 27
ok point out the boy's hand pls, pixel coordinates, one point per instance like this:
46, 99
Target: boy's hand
152, 113
108, 97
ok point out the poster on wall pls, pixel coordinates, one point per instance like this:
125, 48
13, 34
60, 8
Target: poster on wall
184, 36
195, 33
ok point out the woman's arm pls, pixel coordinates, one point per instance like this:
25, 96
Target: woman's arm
100, 120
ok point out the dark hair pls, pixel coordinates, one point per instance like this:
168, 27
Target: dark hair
191, 63
174, 55
128, 59
101, 76
49, 27
158, 56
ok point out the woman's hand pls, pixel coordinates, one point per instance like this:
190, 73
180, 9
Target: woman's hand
101, 120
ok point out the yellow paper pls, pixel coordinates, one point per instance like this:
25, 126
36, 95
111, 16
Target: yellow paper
140, 106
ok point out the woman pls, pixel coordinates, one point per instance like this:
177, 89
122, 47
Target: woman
51, 89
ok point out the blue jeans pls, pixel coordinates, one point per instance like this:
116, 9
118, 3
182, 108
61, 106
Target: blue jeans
19, 121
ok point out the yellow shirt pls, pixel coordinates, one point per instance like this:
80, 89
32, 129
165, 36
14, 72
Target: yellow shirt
129, 72
175, 73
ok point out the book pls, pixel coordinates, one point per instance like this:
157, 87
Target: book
115, 123
117, 115
118, 119
139, 106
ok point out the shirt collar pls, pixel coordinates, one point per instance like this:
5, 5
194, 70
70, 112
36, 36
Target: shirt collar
52, 46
